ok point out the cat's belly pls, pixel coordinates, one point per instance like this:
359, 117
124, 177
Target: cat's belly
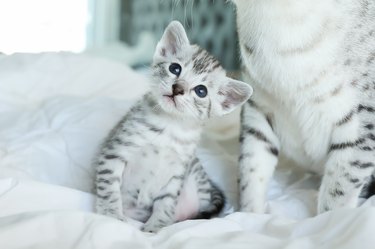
187, 204
306, 149
148, 172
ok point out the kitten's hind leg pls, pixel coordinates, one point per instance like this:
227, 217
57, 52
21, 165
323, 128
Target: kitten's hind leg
164, 205
258, 159
109, 172
211, 198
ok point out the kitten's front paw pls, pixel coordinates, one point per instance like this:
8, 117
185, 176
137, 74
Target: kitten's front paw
115, 215
151, 228
111, 213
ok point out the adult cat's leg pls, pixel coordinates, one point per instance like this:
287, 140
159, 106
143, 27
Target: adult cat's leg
258, 159
350, 163
109, 170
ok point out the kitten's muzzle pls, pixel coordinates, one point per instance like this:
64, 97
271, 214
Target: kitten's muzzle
171, 98
177, 89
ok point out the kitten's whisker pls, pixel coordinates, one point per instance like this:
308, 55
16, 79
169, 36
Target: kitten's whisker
174, 7
164, 83
186, 104
191, 14
157, 107
184, 19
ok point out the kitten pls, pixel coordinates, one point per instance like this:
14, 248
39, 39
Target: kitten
147, 169
312, 66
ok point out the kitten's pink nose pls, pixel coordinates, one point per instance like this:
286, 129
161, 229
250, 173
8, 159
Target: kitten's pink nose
177, 89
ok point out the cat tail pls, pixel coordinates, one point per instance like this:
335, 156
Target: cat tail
217, 204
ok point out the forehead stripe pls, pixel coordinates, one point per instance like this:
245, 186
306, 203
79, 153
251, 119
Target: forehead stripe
205, 63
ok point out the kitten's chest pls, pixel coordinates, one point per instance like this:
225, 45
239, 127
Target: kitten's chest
151, 165
148, 171
154, 159
175, 144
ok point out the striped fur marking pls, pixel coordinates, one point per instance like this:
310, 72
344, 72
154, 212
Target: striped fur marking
342, 146
362, 165
346, 119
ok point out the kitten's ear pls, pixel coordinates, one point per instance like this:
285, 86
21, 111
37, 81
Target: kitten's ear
234, 93
173, 39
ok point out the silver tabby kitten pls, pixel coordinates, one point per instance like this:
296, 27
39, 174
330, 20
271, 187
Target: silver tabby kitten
147, 168
312, 66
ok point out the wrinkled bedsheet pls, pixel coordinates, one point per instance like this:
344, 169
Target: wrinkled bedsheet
55, 108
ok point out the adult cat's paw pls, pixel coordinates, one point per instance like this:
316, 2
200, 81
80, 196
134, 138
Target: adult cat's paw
117, 216
331, 198
258, 207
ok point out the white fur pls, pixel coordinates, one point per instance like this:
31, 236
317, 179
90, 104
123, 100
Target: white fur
299, 48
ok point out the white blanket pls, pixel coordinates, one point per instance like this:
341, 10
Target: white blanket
54, 111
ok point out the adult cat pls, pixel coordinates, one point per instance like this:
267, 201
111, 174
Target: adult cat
312, 66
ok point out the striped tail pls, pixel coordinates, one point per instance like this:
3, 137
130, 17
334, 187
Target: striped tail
216, 205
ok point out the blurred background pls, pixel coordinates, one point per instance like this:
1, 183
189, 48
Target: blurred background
124, 30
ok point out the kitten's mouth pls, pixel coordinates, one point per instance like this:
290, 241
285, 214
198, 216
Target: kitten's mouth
171, 99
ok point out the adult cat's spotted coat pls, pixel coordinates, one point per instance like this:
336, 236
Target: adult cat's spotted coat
312, 66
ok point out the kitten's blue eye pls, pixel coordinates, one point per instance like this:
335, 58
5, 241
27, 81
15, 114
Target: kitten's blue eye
201, 91
175, 68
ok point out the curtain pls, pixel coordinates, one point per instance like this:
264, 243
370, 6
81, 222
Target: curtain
104, 22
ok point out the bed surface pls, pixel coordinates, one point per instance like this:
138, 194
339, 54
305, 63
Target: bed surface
56, 108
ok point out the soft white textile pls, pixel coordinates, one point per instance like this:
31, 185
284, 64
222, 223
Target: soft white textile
54, 111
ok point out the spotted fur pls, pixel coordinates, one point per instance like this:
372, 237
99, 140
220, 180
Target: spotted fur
147, 169
312, 66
